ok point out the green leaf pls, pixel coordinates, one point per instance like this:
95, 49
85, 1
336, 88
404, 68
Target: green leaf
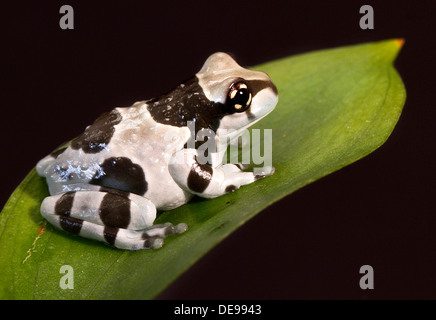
336, 106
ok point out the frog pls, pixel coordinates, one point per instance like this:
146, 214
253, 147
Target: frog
109, 183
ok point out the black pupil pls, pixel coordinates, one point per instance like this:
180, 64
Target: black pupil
241, 97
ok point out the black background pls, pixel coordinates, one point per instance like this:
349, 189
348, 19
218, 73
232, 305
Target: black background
378, 211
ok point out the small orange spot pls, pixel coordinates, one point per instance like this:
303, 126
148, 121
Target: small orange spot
400, 42
41, 230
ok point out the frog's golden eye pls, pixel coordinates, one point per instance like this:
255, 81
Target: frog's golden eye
239, 97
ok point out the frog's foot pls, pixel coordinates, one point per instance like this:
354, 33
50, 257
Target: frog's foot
154, 236
263, 172
150, 238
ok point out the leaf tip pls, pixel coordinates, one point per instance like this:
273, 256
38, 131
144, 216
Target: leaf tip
400, 42
392, 48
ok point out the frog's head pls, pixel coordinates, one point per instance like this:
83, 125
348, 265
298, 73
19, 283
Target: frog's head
247, 95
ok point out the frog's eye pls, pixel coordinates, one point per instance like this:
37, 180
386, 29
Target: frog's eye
239, 97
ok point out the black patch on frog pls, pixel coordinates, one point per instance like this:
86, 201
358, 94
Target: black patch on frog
187, 102
240, 166
115, 191
230, 188
58, 152
199, 177
71, 225
148, 241
115, 211
98, 135
121, 173
259, 176
110, 234
63, 210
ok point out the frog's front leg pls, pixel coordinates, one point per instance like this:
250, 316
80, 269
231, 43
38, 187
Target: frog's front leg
121, 219
210, 181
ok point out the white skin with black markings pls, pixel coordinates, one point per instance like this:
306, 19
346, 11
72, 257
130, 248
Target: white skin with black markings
109, 182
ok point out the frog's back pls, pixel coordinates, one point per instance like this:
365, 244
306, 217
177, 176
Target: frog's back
124, 149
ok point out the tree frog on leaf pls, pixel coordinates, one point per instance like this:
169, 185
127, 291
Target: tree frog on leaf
109, 182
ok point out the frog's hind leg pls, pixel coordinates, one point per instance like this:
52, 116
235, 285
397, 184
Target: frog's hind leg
118, 218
